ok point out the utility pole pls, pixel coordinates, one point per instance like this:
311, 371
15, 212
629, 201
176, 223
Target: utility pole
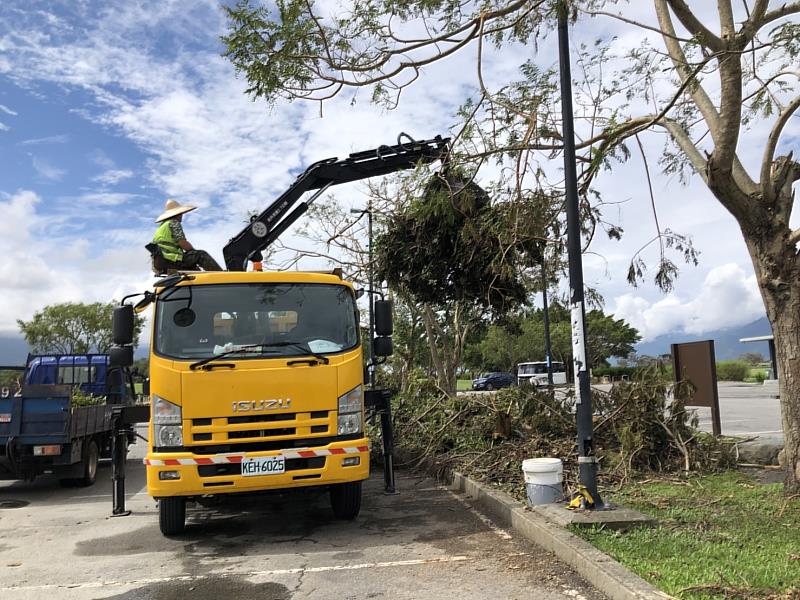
587, 461
548, 356
371, 301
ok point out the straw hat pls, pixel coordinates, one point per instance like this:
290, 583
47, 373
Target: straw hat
173, 209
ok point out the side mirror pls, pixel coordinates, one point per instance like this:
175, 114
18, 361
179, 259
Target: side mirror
120, 356
383, 318
146, 387
383, 346
122, 325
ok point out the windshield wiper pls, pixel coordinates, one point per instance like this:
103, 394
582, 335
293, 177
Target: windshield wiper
238, 350
302, 346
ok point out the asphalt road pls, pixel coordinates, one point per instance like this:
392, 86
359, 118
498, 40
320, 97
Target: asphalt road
424, 542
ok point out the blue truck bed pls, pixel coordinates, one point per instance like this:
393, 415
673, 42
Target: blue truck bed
40, 428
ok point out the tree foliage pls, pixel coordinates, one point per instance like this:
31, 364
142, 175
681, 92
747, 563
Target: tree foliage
521, 339
452, 244
72, 328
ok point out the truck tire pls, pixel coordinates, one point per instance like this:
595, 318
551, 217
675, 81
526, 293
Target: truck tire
91, 457
172, 515
346, 500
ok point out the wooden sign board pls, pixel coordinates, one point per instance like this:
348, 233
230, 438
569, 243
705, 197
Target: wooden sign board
695, 362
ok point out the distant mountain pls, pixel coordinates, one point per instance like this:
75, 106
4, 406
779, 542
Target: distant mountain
13, 350
726, 341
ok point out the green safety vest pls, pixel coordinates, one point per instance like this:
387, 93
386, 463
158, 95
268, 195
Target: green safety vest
163, 238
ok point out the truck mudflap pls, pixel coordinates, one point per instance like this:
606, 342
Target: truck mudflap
186, 474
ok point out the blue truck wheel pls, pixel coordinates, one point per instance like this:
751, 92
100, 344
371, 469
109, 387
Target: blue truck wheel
91, 457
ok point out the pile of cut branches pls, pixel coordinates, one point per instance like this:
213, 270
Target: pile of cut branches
640, 426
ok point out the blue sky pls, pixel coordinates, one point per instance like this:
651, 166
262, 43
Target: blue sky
108, 109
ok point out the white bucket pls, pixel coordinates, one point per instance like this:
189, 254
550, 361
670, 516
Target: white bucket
543, 479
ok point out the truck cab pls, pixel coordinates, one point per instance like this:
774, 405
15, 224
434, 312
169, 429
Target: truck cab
256, 383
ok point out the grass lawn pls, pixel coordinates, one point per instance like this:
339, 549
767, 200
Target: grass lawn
463, 385
720, 536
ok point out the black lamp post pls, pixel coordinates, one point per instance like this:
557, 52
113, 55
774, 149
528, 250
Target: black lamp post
368, 212
587, 461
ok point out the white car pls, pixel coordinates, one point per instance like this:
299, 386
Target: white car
535, 373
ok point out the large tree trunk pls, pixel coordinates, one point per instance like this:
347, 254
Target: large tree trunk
776, 266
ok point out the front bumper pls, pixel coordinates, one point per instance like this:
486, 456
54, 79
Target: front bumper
221, 473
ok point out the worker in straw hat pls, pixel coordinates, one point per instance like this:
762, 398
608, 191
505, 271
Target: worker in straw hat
172, 242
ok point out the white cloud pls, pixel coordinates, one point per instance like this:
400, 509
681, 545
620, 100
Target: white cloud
39, 267
7, 110
113, 176
61, 138
105, 198
47, 170
729, 298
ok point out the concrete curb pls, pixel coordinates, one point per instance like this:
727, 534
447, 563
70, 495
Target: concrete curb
599, 569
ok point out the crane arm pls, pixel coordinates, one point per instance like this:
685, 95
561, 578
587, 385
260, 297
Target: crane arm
276, 218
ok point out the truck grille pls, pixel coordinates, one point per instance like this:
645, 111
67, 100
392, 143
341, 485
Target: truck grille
261, 427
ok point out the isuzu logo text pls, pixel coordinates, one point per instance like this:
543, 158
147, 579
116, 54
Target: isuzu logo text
256, 405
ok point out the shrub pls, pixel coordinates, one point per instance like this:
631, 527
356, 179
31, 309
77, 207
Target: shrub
615, 372
732, 370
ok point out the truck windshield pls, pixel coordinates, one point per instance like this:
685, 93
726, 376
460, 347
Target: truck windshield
200, 321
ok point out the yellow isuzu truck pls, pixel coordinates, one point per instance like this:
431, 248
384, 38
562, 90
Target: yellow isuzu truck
257, 378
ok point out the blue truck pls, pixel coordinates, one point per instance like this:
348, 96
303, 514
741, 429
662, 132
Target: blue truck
56, 416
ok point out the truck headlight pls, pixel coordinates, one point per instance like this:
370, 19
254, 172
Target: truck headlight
168, 436
351, 410
167, 423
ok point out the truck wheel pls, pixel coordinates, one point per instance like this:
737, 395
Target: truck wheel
346, 500
172, 515
90, 458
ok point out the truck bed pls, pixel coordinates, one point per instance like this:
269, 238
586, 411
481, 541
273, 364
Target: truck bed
44, 415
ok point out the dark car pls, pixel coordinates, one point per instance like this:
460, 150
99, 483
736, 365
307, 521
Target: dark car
493, 381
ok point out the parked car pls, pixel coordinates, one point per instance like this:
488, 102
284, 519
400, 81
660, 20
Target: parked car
535, 373
493, 381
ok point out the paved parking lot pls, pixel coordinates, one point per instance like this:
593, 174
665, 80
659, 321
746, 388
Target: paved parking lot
423, 543
746, 409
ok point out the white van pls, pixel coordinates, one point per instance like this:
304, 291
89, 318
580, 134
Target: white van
535, 373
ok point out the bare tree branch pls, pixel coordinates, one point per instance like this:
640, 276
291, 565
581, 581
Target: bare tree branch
684, 141
768, 186
726, 19
695, 26
779, 13
699, 95
603, 13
